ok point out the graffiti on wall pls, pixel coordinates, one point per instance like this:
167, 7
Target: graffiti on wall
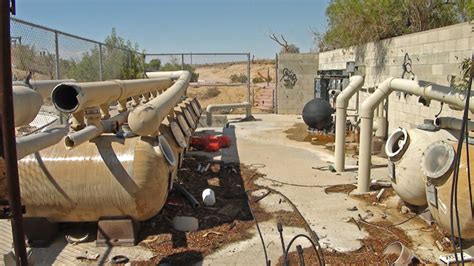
289, 77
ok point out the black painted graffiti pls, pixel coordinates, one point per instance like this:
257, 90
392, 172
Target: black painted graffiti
289, 77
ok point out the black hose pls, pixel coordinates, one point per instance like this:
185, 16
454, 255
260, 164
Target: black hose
457, 161
267, 261
285, 257
300, 251
191, 199
280, 231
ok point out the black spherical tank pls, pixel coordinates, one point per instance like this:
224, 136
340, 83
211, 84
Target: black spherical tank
317, 114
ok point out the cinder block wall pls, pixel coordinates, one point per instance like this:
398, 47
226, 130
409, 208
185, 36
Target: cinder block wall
291, 99
435, 54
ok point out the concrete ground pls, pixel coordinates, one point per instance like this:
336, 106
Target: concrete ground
291, 167
296, 170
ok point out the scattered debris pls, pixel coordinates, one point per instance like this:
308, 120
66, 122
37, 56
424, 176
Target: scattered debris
212, 232
380, 194
404, 209
185, 223
208, 197
85, 255
74, 240
119, 259
215, 168
344, 188
451, 259
405, 255
353, 208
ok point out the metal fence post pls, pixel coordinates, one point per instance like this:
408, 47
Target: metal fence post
248, 79
100, 63
56, 43
182, 61
8, 143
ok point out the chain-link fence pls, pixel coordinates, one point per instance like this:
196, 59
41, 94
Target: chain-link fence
41, 53
221, 77
46, 54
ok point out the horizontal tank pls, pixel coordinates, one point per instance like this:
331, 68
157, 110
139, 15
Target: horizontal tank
404, 149
438, 165
109, 176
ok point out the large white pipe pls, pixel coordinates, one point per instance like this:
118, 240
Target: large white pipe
452, 123
38, 141
43, 87
145, 120
424, 89
26, 104
226, 106
74, 97
342, 101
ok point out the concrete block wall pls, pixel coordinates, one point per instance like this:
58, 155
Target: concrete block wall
435, 54
291, 99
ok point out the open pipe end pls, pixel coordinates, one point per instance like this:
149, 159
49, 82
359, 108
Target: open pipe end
64, 97
69, 142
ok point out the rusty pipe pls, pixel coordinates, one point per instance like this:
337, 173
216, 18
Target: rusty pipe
145, 119
74, 97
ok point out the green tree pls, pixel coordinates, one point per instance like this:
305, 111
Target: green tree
153, 65
353, 22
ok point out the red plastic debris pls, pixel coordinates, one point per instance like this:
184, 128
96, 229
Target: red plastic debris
210, 143
224, 141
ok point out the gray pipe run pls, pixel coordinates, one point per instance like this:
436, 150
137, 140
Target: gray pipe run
145, 120
452, 123
423, 89
72, 98
226, 106
342, 101
43, 87
41, 140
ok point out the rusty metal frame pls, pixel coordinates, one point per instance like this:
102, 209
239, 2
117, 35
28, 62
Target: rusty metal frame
8, 143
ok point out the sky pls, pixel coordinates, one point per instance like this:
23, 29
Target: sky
167, 26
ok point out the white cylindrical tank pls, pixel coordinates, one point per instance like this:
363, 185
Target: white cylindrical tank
404, 149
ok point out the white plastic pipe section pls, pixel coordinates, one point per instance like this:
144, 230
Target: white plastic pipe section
95, 129
342, 101
429, 91
226, 106
452, 123
41, 140
26, 104
43, 87
72, 98
145, 120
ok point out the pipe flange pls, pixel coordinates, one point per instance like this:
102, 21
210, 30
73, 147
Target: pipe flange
437, 162
183, 125
165, 148
195, 108
189, 117
178, 134
397, 143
